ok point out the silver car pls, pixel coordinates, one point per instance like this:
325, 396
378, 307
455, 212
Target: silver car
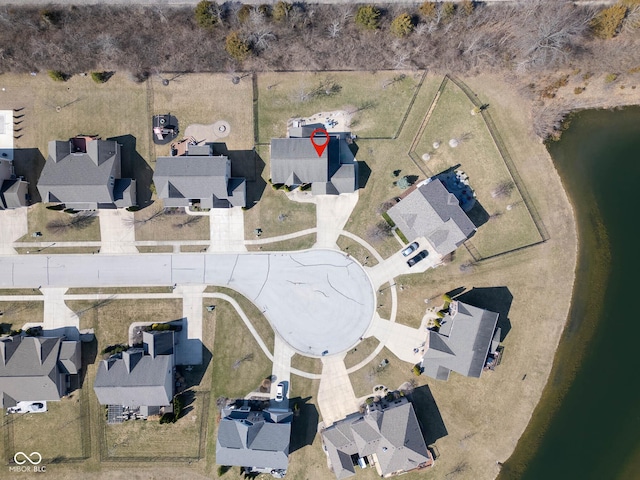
410, 249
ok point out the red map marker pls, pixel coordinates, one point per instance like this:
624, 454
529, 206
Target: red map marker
320, 148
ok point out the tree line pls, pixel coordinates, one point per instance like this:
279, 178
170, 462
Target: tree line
535, 37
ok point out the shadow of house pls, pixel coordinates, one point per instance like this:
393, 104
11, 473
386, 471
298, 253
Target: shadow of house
247, 164
136, 167
496, 299
428, 413
364, 172
478, 215
305, 423
89, 355
28, 163
193, 373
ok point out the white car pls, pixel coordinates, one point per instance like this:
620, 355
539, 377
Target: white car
280, 392
410, 249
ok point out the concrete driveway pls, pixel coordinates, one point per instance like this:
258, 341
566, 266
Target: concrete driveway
117, 233
336, 397
316, 300
226, 230
13, 225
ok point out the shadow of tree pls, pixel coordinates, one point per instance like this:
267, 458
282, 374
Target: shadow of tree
136, 167
305, 423
495, 299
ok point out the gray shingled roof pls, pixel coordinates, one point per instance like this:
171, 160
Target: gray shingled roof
252, 439
432, 212
391, 433
462, 342
135, 380
295, 161
204, 177
13, 193
82, 178
70, 357
30, 368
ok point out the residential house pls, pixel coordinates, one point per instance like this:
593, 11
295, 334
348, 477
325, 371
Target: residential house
387, 436
462, 343
255, 439
139, 381
13, 190
84, 173
432, 212
198, 177
295, 161
37, 368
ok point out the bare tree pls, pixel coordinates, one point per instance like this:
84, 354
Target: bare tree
334, 28
503, 189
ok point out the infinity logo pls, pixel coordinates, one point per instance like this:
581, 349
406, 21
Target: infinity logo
27, 458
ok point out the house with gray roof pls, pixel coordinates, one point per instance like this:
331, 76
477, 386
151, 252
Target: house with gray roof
253, 438
13, 190
84, 173
432, 212
294, 161
462, 343
140, 379
198, 177
37, 368
387, 436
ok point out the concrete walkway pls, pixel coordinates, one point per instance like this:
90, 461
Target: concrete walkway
117, 232
13, 225
279, 238
400, 339
226, 230
336, 397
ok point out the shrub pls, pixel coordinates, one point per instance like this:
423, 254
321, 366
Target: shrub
113, 349
402, 25
578, 90
160, 327
236, 46
417, 370
467, 7
428, 10
281, 10
448, 10
440, 314
101, 77
611, 77
57, 76
368, 17
446, 298
607, 22
369, 401
403, 183
206, 17
244, 12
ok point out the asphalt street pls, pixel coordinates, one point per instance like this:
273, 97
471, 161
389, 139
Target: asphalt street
307, 296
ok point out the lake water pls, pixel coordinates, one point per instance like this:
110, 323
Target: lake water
587, 425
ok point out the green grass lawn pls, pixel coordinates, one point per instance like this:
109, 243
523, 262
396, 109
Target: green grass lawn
146, 439
509, 224
40, 218
16, 314
306, 364
357, 251
378, 102
392, 376
55, 434
382, 159
110, 319
299, 243
258, 320
276, 215
157, 223
205, 99
361, 351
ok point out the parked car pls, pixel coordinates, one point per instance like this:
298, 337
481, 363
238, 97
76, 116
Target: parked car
410, 249
280, 392
416, 258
